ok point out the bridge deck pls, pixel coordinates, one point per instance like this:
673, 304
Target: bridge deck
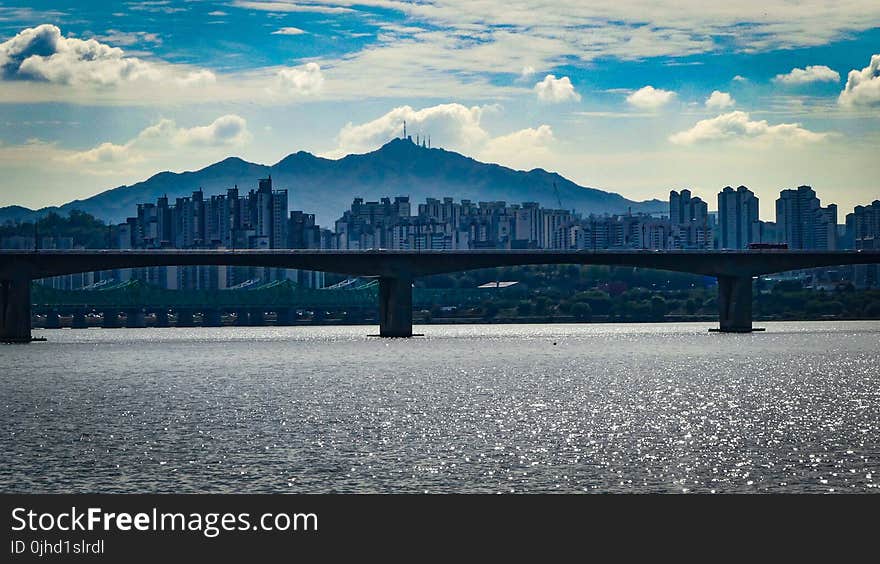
380, 262
396, 269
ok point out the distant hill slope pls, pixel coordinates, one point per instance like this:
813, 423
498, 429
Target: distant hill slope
326, 187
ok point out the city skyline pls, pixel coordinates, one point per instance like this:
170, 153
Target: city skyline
261, 219
765, 95
767, 212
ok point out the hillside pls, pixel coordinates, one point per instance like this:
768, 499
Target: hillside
326, 187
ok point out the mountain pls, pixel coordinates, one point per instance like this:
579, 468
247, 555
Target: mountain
326, 187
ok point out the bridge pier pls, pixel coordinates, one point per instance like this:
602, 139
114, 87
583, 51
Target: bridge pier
15, 310
735, 304
53, 320
242, 318
395, 306
110, 319
211, 318
162, 318
256, 318
185, 318
134, 318
78, 321
285, 316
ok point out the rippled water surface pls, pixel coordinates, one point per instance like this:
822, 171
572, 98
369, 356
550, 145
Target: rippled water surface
478, 408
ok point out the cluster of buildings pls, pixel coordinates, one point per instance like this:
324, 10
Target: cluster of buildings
449, 225
801, 223
259, 219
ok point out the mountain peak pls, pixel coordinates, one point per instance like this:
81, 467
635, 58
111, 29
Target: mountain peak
401, 144
326, 187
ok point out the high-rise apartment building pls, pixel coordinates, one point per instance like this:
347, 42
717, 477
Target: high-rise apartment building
803, 223
690, 216
863, 232
737, 218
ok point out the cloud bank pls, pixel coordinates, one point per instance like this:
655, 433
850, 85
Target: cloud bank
163, 136
556, 90
863, 87
42, 54
813, 73
719, 100
451, 126
738, 126
306, 80
650, 98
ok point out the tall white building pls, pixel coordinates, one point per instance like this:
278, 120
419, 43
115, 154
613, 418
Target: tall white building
737, 218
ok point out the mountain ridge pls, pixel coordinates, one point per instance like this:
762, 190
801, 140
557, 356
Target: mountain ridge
324, 186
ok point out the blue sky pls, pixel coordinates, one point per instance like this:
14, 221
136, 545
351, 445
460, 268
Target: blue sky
632, 96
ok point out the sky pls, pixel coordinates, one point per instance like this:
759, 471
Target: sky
636, 97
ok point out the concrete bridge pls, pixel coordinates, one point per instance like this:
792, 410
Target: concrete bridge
397, 269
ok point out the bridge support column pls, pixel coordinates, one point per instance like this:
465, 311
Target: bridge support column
211, 318
110, 319
735, 304
285, 316
15, 310
242, 318
78, 321
395, 306
134, 318
185, 318
162, 318
256, 318
53, 320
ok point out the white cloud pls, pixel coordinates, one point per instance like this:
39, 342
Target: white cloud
230, 130
304, 81
454, 127
105, 153
555, 90
451, 125
42, 54
719, 100
528, 147
127, 38
451, 46
526, 73
197, 78
812, 73
447, 44
740, 78
42, 65
737, 126
288, 31
217, 13
292, 7
650, 98
155, 6
159, 139
863, 87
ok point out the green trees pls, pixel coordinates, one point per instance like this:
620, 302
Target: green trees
872, 310
84, 229
658, 308
581, 311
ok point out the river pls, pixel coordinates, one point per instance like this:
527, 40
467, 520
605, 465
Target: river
466, 408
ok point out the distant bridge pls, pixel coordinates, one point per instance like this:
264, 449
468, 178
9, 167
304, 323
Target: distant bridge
289, 303
396, 270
